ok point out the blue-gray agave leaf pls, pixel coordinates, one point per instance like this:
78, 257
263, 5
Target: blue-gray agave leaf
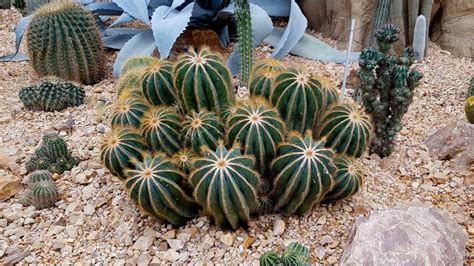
136, 8
141, 44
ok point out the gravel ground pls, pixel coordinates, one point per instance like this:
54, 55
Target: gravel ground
95, 222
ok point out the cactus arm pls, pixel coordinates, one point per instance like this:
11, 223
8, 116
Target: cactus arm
244, 28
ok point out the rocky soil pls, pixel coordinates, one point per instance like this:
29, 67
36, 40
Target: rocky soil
95, 222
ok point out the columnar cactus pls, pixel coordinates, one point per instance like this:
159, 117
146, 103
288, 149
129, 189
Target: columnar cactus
303, 174
202, 129
346, 128
129, 112
63, 41
419, 37
157, 83
203, 81
154, 185
43, 194
52, 95
299, 99
120, 148
348, 179
161, 128
40, 175
244, 29
382, 13
261, 83
258, 128
225, 184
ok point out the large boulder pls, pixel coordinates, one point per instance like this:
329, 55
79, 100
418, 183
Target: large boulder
409, 234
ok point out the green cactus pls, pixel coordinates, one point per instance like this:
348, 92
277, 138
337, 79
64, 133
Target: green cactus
160, 129
469, 109
348, 179
129, 84
382, 13
203, 81
52, 95
154, 185
269, 64
346, 128
40, 175
120, 148
184, 160
330, 97
296, 254
299, 99
261, 83
43, 194
225, 184
138, 63
129, 112
32, 5
258, 128
157, 83
470, 91
244, 29
387, 85
64, 41
202, 129
303, 174
270, 258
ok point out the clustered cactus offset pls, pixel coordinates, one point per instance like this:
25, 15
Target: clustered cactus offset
469, 103
295, 254
202, 150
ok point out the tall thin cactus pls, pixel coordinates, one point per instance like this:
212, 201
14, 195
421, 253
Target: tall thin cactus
244, 29
382, 13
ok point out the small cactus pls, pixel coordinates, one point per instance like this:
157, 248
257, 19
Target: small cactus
202, 129
40, 175
157, 83
129, 112
269, 64
470, 91
419, 38
348, 178
42, 194
138, 63
469, 109
261, 83
270, 258
160, 129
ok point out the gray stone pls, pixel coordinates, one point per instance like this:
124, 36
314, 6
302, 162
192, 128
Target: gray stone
409, 234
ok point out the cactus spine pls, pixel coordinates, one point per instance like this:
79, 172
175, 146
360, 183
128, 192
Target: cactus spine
154, 185
157, 84
129, 112
299, 99
160, 129
138, 63
419, 37
63, 41
259, 130
202, 129
244, 29
346, 128
303, 174
225, 184
120, 148
348, 178
184, 160
203, 81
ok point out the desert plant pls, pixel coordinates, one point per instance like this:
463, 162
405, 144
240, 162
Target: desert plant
203, 81
138, 63
387, 85
258, 128
470, 91
244, 30
184, 160
52, 95
161, 128
298, 97
64, 41
348, 178
202, 129
270, 258
261, 82
269, 64
40, 175
120, 148
42, 194
303, 173
157, 83
469, 109
295, 254
382, 13
346, 128
154, 185
225, 184
419, 38
129, 84
129, 112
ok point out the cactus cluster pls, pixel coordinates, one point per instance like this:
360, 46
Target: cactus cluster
42, 192
52, 95
295, 254
201, 149
53, 155
387, 85
63, 41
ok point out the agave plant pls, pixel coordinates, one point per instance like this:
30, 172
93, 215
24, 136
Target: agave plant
167, 19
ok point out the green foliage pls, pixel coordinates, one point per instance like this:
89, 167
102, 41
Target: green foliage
348, 178
161, 128
225, 184
155, 186
64, 41
129, 112
258, 128
203, 81
42, 194
298, 97
244, 30
387, 85
294, 255
303, 174
120, 148
346, 128
202, 129
51, 95
40, 175
53, 156
157, 83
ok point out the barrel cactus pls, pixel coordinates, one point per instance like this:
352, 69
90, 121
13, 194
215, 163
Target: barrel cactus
261, 83
202, 129
138, 63
161, 128
303, 174
157, 83
120, 148
269, 64
129, 112
225, 184
346, 128
40, 175
184, 160
270, 258
258, 128
348, 178
52, 95
42, 194
63, 41
129, 83
155, 186
299, 99
469, 109
203, 81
